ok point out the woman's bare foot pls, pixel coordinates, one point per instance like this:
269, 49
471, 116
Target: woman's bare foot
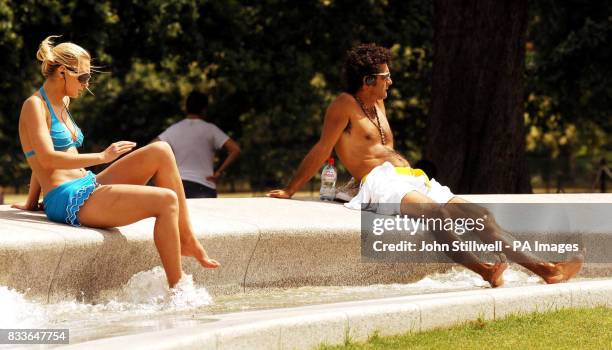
563, 271
495, 272
194, 249
172, 284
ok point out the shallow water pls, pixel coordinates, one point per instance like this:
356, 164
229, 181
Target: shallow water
146, 304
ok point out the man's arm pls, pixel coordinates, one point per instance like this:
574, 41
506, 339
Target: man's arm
233, 150
336, 119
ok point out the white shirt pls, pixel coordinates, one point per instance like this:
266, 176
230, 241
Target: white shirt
194, 142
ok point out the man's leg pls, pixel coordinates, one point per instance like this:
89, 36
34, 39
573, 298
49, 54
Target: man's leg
197, 190
550, 272
416, 204
190, 189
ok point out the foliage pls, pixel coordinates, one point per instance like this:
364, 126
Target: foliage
272, 66
569, 92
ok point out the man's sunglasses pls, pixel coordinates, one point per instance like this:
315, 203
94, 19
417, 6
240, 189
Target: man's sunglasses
386, 75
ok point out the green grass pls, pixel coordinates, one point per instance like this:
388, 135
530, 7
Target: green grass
562, 329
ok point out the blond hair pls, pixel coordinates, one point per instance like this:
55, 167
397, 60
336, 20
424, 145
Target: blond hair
53, 56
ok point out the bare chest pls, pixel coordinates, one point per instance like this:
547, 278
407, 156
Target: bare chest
369, 130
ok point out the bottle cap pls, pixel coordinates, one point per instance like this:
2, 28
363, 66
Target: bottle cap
330, 161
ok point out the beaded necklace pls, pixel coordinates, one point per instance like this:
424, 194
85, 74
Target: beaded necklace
372, 114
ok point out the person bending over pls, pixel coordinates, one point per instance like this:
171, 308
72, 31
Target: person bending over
194, 142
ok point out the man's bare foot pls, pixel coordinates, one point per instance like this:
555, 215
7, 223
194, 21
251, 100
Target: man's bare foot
195, 250
495, 274
563, 271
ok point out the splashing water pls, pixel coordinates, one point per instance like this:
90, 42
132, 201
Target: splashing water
145, 303
149, 290
462, 278
17, 312
145, 293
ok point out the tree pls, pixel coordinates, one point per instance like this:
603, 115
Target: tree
568, 99
270, 67
475, 133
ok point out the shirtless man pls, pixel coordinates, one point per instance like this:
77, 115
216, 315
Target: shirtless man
356, 126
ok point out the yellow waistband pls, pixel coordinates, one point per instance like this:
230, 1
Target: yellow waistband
408, 171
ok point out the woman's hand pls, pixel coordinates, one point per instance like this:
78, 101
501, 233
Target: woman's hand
116, 150
29, 206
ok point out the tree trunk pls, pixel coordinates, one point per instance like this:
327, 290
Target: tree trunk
475, 133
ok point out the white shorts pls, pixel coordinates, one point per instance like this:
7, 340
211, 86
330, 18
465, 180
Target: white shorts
385, 185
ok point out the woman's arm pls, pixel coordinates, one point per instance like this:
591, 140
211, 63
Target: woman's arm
33, 196
33, 115
33, 193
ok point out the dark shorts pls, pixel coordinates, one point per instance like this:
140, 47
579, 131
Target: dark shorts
196, 190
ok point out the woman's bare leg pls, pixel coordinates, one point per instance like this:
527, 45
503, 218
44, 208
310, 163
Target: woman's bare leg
119, 205
156, 161
416, 204
550, 272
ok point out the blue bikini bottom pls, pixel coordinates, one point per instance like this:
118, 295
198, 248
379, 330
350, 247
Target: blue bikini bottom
62, 203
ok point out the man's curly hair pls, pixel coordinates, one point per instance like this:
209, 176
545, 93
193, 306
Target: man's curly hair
362, 61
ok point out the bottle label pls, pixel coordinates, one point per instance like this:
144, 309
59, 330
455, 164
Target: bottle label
329, 173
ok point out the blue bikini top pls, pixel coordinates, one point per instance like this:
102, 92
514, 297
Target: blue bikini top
61, 137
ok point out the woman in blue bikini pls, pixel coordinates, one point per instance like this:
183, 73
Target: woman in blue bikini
50, 138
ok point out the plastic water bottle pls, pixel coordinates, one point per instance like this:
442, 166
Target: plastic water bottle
328, 181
